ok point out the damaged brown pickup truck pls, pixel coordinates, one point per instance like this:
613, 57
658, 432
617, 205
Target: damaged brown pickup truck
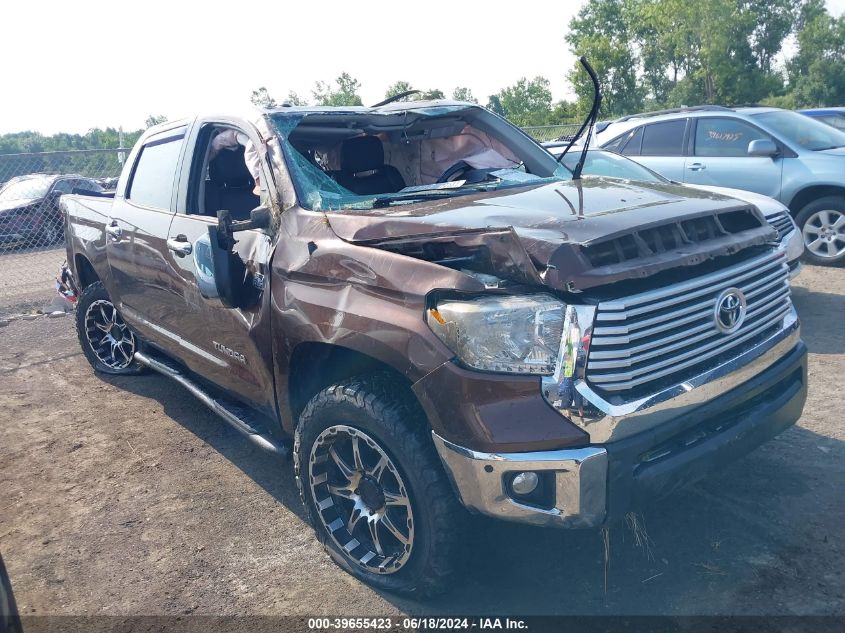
435, 316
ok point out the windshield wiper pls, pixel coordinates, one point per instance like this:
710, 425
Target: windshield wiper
434, 194
821, 149
396, 97
589, 123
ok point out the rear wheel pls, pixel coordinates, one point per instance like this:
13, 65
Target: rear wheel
374, 488
107, 342
822, 225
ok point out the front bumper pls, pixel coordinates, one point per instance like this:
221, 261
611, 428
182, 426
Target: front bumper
599, 484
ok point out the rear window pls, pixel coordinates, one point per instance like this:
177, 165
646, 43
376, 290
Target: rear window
635, 141
152, 181
664, 139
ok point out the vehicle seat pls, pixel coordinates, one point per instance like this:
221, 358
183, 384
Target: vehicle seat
230, 185
362, 168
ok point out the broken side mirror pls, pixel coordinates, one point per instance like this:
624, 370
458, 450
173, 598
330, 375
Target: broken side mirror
259, 218
230, 276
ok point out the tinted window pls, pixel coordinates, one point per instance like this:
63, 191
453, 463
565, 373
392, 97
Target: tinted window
834, 120
616, 144
152, 181
88, 185
63, 186
664, 139
725, 137
635, 140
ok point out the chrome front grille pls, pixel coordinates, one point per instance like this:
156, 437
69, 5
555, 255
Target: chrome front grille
782, 223
671, 332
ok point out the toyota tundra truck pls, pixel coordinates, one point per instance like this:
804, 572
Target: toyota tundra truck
436, 317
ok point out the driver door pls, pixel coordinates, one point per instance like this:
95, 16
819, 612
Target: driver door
229, 346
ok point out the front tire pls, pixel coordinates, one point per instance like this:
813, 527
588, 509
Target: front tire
822, 225
374, 489
107, 342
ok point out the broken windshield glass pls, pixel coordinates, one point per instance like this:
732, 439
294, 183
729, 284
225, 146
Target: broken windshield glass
362, 159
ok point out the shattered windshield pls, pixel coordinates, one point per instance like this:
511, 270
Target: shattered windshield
369, 159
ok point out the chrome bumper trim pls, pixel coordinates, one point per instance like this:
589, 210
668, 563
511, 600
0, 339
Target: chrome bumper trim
606, 422
580, 476
792, 244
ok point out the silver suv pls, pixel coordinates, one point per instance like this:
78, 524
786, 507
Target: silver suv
778, 153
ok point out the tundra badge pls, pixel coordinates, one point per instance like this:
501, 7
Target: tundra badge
229, 352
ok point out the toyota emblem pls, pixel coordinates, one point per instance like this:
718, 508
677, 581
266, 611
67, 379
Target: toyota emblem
730, 310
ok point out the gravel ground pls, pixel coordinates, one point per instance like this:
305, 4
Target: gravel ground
27, 278
124, 496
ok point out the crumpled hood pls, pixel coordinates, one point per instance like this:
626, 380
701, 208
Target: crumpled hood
553, 223
767, 205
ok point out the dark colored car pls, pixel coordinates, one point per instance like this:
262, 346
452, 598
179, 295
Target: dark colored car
29, 210
108, 184
435, 316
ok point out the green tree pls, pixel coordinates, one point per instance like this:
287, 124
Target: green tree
564, 112
430, 95
601, 31
345, 94
295, 100
527, 102
463, 94
674, 52
817, 71
494, 104
398, 88
89, 164
155, 119
262, 98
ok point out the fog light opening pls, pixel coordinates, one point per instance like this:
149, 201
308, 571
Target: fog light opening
524, 483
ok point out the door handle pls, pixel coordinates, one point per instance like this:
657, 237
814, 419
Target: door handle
697, 167
114, 231
180, 245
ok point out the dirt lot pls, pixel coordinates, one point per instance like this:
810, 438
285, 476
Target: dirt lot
27, 278
125, 496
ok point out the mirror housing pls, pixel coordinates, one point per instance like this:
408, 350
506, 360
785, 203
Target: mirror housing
231, 277
763, 147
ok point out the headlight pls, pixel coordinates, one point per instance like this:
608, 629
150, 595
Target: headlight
518, 335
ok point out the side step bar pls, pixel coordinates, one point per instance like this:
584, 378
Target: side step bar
238, 422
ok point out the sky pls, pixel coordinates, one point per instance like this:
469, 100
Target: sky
96, 63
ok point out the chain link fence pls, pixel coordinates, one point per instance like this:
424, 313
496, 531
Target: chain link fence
32, 241
547, 133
